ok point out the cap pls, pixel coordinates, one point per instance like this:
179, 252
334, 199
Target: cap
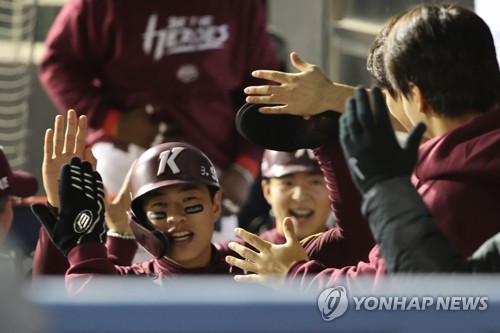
13, 182
285, 132
279, 163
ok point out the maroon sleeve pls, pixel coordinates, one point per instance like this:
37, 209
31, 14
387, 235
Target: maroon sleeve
313, 275
69, 66
121, 251
48, 260
87, 260
351, 240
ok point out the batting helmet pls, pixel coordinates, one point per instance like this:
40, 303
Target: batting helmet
168, 164
279, 163
162, 165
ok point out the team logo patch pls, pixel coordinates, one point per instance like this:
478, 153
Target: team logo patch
83, 221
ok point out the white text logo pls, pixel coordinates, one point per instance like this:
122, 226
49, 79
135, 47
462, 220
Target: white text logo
183, 34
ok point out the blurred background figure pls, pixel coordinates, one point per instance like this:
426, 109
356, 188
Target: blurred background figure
157, 72
293, 185
14, 186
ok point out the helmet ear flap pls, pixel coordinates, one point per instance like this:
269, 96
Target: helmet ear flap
154, 241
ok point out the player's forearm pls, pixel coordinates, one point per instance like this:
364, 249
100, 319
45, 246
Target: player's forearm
335, 96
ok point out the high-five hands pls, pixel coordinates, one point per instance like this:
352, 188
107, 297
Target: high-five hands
81, 208
297, 93
270, 263
369, 142
59, 147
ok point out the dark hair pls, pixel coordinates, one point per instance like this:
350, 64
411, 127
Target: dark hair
375, 60
448, 52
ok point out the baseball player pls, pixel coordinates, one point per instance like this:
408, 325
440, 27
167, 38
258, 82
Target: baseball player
293, 185
13, 183
59, 146
176, 201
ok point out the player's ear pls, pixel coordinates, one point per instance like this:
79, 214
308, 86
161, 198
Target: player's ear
217, 206
418, 98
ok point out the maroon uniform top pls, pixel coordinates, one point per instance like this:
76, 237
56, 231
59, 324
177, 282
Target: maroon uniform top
458, 177
273, 236
190, 59
48, 260
350, 240
91, 259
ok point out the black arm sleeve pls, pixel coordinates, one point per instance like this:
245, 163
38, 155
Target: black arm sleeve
410, 240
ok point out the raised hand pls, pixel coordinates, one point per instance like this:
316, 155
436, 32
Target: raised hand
59, 147
271, 263
306, 93
116, 210
81, 212
369, 142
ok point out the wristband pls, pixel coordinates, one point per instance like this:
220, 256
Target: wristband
122, 235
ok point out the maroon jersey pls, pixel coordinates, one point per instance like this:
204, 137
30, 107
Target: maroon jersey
91, 259
458, 177
48, 260
190, 59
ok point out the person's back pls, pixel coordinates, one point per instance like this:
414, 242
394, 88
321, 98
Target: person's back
441, 59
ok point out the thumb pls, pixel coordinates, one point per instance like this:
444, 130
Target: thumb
297, 62
289, 231
412, 144
45, 216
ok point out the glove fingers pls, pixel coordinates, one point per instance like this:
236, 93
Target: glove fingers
99, 188
351, 122
45, 216
70, 180
343, 126
98, 183
414, 139
381, 110
364, 109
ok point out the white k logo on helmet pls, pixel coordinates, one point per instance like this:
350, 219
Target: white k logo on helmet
167, 158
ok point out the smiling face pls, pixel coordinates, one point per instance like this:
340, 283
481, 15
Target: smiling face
302, 196
187, 214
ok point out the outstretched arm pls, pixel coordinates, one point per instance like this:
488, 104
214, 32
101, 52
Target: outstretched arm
59, 146
306, 93
410, 240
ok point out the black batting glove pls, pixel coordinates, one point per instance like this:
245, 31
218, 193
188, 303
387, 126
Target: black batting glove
81, 211
369, 142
